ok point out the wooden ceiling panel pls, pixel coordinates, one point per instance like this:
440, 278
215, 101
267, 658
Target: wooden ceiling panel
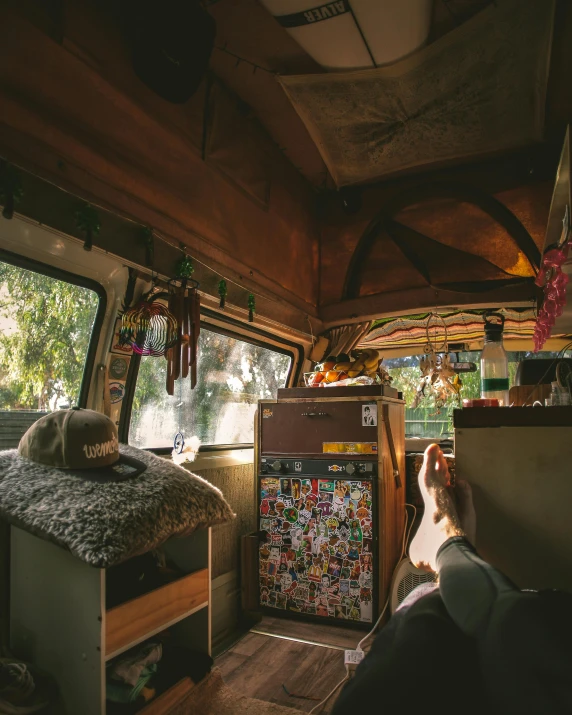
466, 227
387, 269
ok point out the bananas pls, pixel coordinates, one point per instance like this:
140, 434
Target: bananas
366, 363
372, 359
343, 366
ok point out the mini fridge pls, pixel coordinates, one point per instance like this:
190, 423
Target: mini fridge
330, 500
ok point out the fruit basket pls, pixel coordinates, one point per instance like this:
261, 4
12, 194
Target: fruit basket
364, 369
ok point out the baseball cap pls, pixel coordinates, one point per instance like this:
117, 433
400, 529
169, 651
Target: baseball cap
81, 442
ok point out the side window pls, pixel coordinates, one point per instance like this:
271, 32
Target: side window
232, 376
46, 325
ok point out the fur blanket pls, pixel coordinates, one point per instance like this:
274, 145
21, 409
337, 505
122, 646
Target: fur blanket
106, 523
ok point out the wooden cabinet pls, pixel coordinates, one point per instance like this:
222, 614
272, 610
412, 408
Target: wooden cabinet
518, 463
305, 427
59, 620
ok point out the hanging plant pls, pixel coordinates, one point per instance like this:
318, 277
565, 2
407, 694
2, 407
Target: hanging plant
185, 268
251, 307
10, 189
149, 243
222, 291
87, 221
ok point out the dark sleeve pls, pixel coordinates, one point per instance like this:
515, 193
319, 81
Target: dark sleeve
524, 639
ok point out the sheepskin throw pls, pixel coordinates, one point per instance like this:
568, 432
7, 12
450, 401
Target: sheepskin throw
106, 523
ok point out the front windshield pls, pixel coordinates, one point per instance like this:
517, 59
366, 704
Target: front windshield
427, 420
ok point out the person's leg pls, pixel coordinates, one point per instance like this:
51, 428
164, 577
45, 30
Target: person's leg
523, 639
418, 647
419, 659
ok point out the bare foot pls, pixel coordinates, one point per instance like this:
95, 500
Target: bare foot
440, 520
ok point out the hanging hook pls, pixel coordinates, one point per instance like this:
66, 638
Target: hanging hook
87, 221
222, 291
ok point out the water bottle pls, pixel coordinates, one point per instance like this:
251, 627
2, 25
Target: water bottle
494, 362
554, 395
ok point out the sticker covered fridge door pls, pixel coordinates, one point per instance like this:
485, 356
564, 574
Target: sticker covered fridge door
316, 546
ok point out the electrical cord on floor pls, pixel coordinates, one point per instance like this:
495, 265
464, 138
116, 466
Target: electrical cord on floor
359, 647
332, 692
298, 695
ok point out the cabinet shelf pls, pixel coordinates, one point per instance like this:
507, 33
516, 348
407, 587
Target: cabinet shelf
165, 702
162, 703
134, 621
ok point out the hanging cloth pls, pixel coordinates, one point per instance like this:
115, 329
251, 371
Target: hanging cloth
480, 88
345, 338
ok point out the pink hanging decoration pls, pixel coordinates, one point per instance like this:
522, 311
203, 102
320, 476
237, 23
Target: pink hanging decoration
554, 281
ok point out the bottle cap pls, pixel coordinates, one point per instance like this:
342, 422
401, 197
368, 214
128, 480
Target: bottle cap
494, 330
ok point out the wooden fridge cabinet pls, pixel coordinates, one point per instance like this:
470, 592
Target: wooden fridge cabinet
306, 440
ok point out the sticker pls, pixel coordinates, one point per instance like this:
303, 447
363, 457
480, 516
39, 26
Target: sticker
349, 447
326, 509
297, 466
336, 468
356, 532
353, 553
311, 502
366, 611
291, 514
335, 567
365, 580
266, 413
116, 346
118, 367
369, 415
341, 612
270, 487
309, 486
116, 391
322, 609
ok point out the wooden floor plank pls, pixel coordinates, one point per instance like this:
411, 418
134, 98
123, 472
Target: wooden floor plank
319, 633
248, 645
276, 664
230, 662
